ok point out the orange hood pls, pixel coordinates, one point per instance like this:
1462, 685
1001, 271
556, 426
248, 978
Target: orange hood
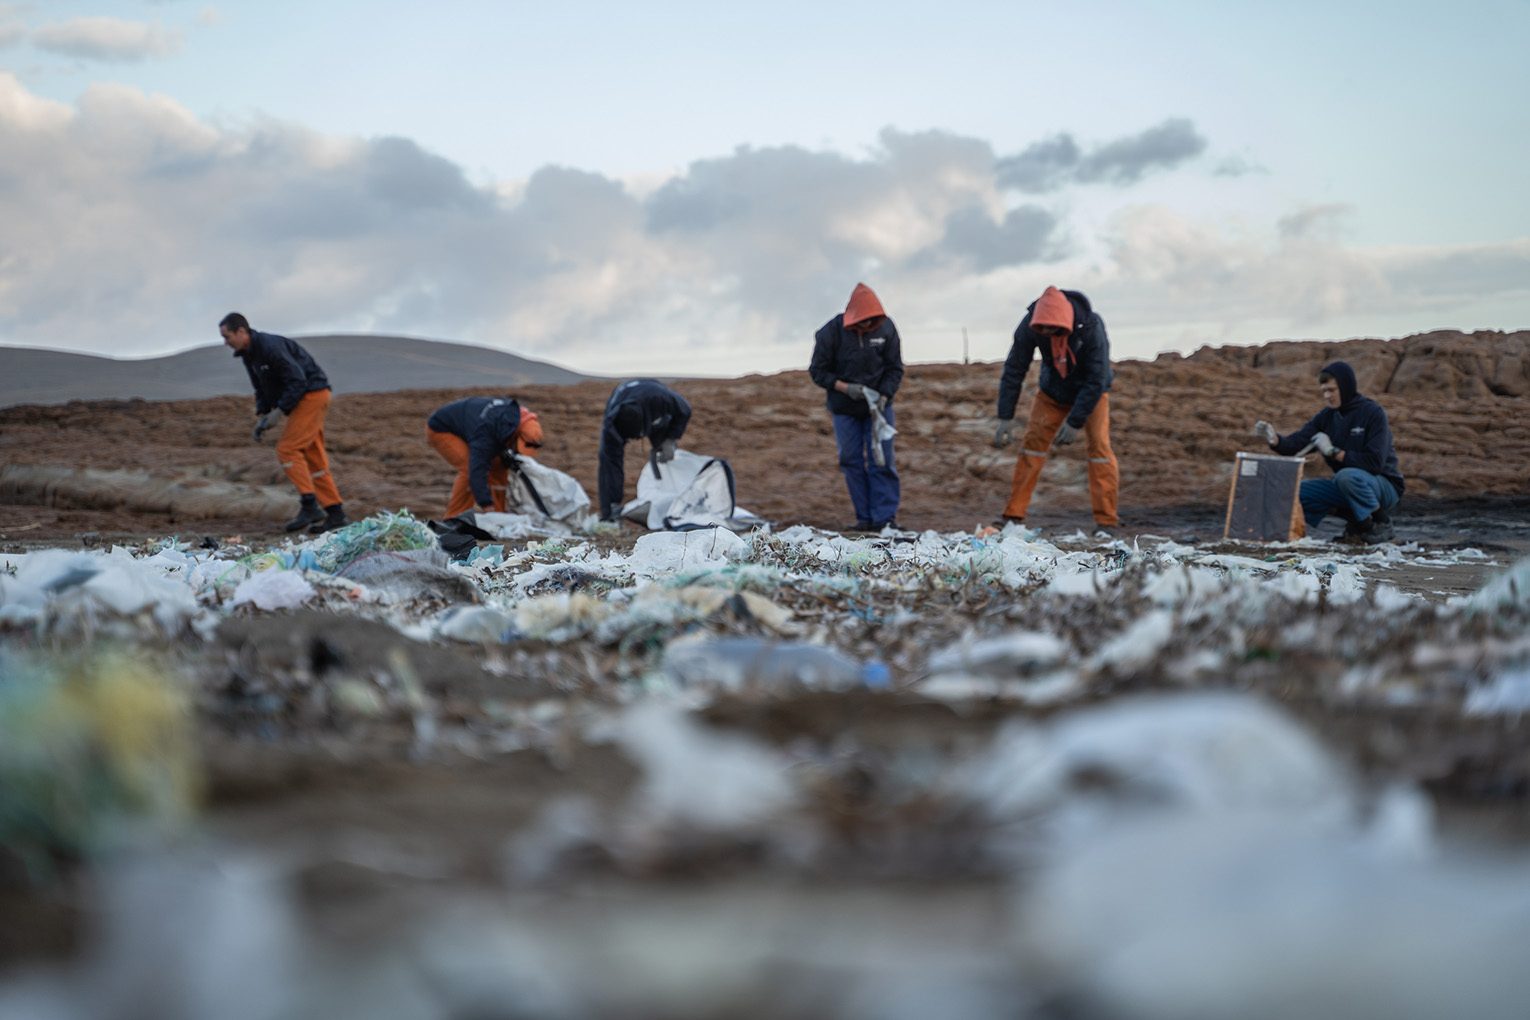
1053, 309
863, 305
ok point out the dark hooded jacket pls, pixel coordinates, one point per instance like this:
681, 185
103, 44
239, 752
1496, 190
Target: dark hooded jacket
487, 425
281, 372
637, 408
1089, 376
873, 359
1358, 426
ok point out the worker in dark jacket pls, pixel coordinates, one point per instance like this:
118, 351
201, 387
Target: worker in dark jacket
1355, 439
1074, 397
290, 387
858, 360
637, 409
480, 436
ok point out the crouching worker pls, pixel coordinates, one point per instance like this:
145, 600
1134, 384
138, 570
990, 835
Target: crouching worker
858, 360
637, 409
291, 393
478, 436
1074, 398
1354, 438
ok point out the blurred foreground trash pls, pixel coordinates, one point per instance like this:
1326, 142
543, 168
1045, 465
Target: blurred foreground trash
753, 663
86, 748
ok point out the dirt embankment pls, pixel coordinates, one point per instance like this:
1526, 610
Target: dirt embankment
1459, 405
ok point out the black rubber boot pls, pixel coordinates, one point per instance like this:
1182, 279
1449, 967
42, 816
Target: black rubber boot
308, 513
334, 517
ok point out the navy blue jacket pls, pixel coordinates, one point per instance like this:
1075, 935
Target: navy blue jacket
281, 372
1358, 426
637, 408
1088, 376
874, 360
487, 425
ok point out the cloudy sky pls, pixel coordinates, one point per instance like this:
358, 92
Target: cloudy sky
673, 187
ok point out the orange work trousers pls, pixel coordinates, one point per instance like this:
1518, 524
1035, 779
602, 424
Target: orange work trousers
1047, 416
454, 450
301, 449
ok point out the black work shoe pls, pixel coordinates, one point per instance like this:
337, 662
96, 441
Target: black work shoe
859, 525
308, 513
1382, 531
879, 525
334, 517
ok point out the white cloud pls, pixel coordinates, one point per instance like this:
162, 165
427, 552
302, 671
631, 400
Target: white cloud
107, 39
131, 226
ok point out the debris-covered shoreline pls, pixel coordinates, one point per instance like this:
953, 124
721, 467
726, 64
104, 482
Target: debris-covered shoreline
1074, 745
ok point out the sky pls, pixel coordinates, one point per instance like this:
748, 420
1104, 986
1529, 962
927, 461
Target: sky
681, 188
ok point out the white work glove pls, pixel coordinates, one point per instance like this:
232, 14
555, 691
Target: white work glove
1324, 444
1264, 430
1005, 433
269, 420
666, 452
1065, 435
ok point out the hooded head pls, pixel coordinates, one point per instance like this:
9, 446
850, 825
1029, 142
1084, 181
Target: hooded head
1053, 309
529, 435
1343, 376
863, 307
1052, 316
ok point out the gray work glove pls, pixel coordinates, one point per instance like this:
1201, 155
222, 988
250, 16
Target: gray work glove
854, 391
1264, 430
1324, 444
269, 420
1065, 435
1005, 433
666, 452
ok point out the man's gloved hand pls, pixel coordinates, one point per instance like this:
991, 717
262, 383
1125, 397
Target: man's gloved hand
269, 420
1065, 435
666, 452
1005, 433
855, 391
1264, 430
1324, 444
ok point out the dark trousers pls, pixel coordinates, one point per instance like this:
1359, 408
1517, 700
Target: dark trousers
874, 490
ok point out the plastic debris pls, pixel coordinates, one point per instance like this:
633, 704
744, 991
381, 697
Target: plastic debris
87, 746
738, 664
274, 589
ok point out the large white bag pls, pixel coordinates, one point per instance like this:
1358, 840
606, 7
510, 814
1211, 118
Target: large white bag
538, 490
691, 491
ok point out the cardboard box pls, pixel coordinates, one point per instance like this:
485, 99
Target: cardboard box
1263, 504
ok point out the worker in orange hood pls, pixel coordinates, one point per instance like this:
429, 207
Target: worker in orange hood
480, 437
1074, 398
858, 359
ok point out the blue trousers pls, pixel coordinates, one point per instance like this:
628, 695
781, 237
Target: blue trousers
873, 490
1359, 492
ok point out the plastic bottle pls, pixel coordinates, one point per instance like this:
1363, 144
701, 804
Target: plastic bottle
745, 662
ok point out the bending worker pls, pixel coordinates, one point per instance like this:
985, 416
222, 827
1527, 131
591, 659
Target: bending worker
858, 360
1074, 397
291, 393
1353, 436
479, 436
638, 408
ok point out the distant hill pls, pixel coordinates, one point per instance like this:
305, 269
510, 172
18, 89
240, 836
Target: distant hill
354, 364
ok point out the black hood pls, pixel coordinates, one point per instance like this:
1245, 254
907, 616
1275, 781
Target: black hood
1349, 390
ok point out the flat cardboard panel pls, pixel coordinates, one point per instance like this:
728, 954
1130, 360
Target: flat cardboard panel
1262, 505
